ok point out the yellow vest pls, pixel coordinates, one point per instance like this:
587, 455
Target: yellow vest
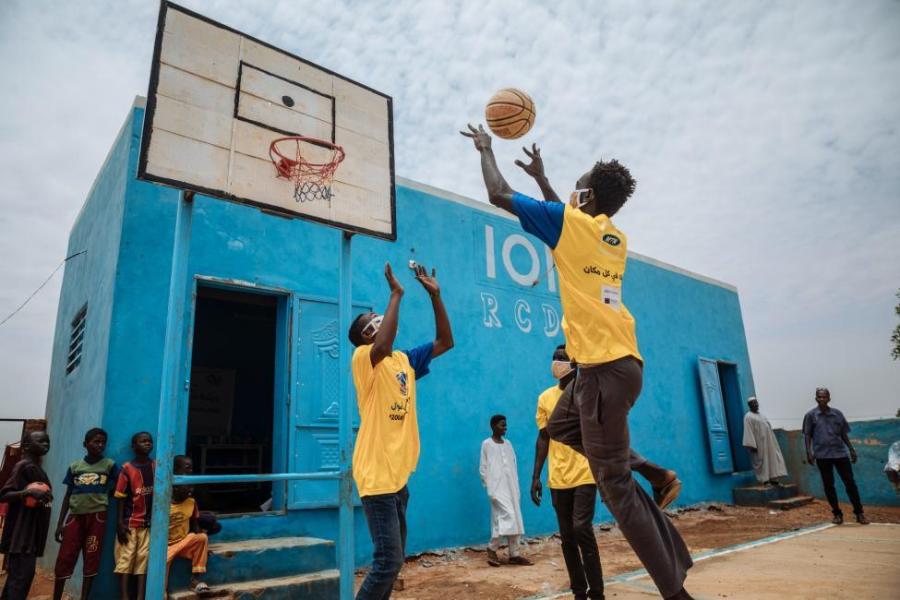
590, 258
567, 468
387, 446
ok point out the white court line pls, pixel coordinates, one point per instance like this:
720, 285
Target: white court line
625, 577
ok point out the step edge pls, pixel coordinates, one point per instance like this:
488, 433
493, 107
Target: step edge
253, 545
324, 575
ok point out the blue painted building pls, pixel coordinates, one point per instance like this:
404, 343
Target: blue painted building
260, 359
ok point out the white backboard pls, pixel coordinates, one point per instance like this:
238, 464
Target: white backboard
218, 98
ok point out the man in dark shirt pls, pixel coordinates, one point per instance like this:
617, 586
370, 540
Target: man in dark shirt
825, 431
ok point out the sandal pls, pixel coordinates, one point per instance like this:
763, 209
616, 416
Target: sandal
201, 588
667, 494
520, 560
492, 558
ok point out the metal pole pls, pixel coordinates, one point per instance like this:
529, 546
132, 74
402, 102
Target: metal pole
168, 400
345, 426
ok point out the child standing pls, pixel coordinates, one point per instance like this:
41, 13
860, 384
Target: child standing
185, 538
82, 518
134, 489
500, 477
27, 491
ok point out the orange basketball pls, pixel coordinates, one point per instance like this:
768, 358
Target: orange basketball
510, 113
31, 501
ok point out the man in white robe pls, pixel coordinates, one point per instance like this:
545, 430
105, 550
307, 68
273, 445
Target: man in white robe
759, 439
500, 477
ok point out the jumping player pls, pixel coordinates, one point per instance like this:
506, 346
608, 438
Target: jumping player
590, 255
387, 446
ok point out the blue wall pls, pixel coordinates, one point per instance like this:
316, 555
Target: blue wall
505, 330
871, 439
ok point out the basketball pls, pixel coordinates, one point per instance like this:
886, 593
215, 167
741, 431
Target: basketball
31, 501
510, 113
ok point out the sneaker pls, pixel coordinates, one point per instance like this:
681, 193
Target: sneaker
667, 494
838, 519
861, 519
492, 558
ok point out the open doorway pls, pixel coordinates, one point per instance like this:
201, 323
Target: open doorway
232, 397
735, 407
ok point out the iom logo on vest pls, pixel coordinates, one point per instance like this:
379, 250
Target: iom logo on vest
611, 239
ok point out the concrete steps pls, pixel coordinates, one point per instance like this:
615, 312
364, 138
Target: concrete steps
322, 585
762, 495
264, 568
789, 503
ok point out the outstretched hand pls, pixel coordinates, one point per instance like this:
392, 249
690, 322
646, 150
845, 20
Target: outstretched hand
430, 283
536, 167
395, 286
481, 137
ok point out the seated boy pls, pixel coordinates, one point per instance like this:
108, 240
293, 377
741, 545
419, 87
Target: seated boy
185, 538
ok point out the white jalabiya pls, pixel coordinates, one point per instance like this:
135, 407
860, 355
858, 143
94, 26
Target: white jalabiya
768, 463
501, 479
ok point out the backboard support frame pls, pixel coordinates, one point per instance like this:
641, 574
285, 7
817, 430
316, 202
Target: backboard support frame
150, 110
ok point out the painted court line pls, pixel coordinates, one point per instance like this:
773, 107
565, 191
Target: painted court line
625, 578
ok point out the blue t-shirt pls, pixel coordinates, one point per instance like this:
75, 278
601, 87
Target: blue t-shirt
541, 219
420, 359
825, 430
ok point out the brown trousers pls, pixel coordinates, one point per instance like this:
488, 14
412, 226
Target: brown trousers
592, 418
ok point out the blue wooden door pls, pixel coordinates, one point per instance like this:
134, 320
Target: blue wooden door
313, 430
716, 424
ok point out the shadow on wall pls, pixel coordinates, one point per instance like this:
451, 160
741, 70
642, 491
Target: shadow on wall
872, 439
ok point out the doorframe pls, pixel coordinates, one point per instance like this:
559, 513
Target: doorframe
283, 370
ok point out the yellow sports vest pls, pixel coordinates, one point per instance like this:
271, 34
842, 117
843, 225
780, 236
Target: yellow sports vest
387, 446
567, 468
590, 258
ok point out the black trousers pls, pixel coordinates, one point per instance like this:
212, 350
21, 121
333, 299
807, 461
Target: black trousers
575, 513
845, 470
20, 573
601, 397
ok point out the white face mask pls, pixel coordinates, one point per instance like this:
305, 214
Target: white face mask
372, 327
561, 368
580, 197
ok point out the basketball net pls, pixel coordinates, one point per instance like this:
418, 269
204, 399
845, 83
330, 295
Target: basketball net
312, 180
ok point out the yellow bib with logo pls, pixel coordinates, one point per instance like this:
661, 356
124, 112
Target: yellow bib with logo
567, 468
387, 445
590, 258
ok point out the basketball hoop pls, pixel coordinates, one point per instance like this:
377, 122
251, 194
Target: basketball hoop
312, 180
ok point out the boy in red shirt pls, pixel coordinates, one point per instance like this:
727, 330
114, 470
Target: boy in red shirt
134, 490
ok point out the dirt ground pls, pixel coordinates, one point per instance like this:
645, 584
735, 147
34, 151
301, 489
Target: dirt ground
463, 573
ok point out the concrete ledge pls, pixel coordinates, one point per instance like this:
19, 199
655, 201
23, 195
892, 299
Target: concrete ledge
762, 495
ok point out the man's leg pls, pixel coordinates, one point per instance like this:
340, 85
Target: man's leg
845, 470
605, 395
583, 525
826, 469
20, 574
564, 506
384, 527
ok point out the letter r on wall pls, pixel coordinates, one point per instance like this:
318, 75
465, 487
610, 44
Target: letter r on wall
489, 307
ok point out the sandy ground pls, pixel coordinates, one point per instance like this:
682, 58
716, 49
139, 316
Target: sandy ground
463, 573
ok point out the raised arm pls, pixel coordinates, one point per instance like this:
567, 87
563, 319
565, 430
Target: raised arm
536, 169
541, 449
443, 340
499, 192
383, 345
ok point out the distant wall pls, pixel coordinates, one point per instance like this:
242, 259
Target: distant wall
871, 440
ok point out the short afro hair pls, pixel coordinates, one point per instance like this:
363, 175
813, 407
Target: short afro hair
561, 354
612, 184
496, 419
94, 432
135, 437
178, 463
356, 329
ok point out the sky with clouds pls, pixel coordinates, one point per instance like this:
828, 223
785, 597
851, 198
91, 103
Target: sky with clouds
765, 138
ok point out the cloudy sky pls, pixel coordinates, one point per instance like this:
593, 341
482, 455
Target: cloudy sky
765, 137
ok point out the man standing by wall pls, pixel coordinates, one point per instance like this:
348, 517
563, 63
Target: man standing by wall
825, 431
759, 440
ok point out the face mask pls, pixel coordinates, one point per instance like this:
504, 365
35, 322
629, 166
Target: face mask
372, 327
561, 368
580, 197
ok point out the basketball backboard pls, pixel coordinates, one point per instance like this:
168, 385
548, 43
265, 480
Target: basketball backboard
218, 98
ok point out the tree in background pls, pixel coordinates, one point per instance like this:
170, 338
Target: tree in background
895, 339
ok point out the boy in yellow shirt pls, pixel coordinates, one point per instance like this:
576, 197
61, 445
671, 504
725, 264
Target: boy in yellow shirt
590, 254
185, 538
387, 446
